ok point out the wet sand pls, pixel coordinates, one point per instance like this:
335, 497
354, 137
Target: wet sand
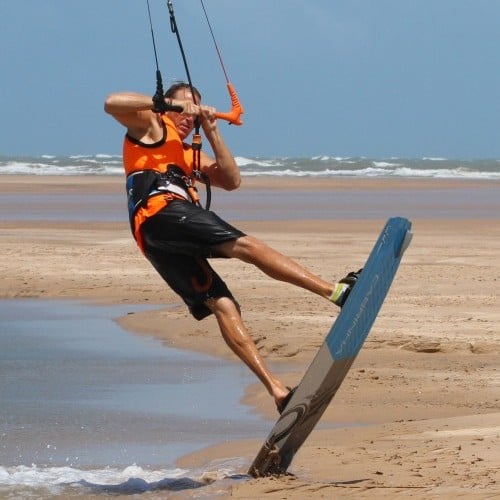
419, 411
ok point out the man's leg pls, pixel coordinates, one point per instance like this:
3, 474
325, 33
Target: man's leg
276, 265
238, 339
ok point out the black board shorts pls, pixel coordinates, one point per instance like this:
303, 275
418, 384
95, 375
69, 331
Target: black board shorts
177, 241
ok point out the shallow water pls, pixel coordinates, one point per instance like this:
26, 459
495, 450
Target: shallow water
84, 402
272, 204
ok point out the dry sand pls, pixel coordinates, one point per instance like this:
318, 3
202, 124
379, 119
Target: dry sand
418, 415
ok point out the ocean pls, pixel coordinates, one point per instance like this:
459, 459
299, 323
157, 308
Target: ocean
317, 166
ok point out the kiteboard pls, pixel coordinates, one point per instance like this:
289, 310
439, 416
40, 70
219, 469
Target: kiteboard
334, 358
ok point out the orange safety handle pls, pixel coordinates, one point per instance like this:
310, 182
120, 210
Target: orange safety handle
233, 116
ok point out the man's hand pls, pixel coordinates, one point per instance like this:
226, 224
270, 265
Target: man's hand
208, 120
185, 107
188, 107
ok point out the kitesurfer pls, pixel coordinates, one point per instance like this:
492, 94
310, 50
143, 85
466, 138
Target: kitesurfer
177, 235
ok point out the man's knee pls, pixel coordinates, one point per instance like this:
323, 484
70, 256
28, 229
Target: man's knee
223, 306
247, 248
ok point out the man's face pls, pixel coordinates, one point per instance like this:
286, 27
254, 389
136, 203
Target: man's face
183, 123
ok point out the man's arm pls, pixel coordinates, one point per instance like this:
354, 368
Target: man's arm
134, 111
224, 172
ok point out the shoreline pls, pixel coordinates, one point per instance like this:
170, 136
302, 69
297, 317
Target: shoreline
115, 183
426, 380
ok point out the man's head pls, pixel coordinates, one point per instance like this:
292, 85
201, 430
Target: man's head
182, 91
178, 86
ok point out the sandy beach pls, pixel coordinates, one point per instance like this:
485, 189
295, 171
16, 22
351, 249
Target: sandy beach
418, 415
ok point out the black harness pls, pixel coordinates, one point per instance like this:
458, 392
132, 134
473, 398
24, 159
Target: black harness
144, 184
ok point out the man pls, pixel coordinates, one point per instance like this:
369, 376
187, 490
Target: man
177, 235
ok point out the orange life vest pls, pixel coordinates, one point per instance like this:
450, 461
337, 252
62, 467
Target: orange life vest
139, 157
170, 149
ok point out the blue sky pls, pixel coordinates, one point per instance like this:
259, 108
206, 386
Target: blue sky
375, 78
